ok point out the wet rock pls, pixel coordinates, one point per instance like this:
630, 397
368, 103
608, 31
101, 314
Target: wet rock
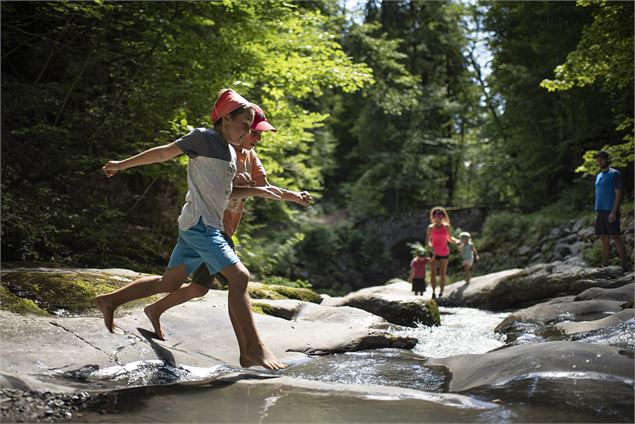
548, 313
536, 360
395, 303
623, 294
614, 320
514, 288
372, 340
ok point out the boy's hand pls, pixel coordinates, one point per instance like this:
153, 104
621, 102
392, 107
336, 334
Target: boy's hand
243, 179
112, 167
478, 258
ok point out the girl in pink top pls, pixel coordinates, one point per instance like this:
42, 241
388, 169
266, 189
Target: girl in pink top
438, 236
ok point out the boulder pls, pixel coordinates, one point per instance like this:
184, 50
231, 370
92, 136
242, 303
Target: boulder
548, 313
536, 360
395, 303
623, 294
296, 310
353, 317
285, 308
614, 320
514, 288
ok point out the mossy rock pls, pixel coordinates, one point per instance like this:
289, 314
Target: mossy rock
406, 313
275, 292
264, 309
51, 292
13, 303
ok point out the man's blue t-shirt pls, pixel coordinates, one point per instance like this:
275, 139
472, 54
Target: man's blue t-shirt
606, 182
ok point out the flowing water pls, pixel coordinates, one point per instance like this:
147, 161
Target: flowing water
209, 398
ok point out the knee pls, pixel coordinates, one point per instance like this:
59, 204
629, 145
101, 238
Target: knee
169, 285
240, 280
197, 290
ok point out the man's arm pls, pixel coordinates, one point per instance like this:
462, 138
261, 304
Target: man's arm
154, 155
616, 205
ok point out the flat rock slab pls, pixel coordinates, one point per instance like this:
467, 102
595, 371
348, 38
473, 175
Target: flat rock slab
548, 313
478, 292
599, 324
547, 360
395, 303
198, 334
513, 288
622, 294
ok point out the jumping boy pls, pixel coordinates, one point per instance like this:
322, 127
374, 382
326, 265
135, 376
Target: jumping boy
210, 171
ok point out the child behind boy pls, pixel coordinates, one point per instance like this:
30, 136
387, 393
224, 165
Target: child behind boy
418, 272
469, 254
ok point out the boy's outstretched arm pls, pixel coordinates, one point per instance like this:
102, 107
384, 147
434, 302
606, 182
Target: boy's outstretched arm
266, 192
302, 198
154, 155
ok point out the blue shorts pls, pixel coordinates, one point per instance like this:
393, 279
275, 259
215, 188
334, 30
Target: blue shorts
202, 244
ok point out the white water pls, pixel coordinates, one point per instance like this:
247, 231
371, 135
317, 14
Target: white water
462, 330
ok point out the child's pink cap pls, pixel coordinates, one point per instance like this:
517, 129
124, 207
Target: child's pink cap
226, 103
260, 120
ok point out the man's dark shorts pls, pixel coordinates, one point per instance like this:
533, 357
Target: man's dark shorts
201, 275
605, 228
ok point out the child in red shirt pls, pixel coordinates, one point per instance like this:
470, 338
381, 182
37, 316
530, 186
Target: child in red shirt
418, 272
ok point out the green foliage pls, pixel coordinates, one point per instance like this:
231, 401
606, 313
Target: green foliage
604, 53
84, 82
416, 247
604, 57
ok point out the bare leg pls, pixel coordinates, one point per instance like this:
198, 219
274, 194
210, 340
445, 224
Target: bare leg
433, 276
619, 245
256, 353
138, 289
183, 294
466, 273
443, 265
606, 252
245, 362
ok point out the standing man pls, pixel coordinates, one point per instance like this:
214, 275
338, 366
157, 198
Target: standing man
608, 196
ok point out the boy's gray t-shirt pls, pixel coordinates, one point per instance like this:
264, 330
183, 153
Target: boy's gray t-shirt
210, 171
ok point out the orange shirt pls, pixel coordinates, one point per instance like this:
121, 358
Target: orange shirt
246, 161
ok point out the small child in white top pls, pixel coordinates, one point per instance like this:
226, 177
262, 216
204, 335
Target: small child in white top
469, 254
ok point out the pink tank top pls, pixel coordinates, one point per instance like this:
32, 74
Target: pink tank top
439, 238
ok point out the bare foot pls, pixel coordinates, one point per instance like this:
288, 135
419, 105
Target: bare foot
155, 319
262, 356
107, 310
246, 363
